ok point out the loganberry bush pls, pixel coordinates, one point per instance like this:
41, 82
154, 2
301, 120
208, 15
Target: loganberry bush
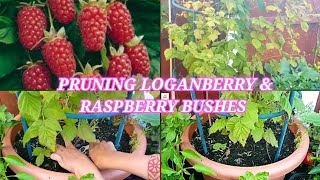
41, 41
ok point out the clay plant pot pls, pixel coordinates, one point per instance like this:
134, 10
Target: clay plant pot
10, 100
133, 130
276, 170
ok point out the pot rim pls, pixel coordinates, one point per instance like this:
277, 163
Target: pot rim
29, 168
283, 166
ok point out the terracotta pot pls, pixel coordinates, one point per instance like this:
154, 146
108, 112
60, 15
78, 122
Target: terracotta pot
43, 174
9, 100
276, 170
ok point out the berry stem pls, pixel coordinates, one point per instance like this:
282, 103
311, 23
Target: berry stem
30, 59
104, 58
50, 16
79, 62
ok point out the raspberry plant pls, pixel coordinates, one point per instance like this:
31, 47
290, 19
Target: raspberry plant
45, 111
7, 121
240, 126
223, 33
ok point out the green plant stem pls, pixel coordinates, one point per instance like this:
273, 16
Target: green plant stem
50, 17
79, 62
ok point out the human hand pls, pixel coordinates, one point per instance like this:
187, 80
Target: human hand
73, 160
101, 153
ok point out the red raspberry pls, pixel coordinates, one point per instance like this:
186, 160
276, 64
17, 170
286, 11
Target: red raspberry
121, 29
139, 57
93, 26
58, 54
31, 24
36, 77
120, 65
63, 10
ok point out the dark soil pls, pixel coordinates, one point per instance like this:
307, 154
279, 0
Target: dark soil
253, 154
104, 131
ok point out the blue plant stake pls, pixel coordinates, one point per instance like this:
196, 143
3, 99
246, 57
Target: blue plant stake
284, 129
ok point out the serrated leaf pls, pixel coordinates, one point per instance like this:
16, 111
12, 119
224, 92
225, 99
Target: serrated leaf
24, 176
189, 154
270, 137
257, 134
54, 111
48, 95
218, 125
47, 137
29, 105
72, 178
69, 132
14, 160
204, 169
85, 132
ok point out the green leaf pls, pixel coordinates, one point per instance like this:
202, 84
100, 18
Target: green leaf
219, 146
247, 176
189, 154
53, 124
270, 138
69, 132
39, 159
218, 125
304, 26
315, 170
241, 132
24, 176
204, 169
29, 105
54, 111
257, 133
48, 95
13, 160
261, 37
270, 46
285, 105
85, 132
87, 177
256, 43
32, 132
47, 137
262, 176
167, 170
171, 136
72, 178
8, 31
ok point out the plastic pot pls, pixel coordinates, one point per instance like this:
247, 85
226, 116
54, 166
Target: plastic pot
133, 130
276, 170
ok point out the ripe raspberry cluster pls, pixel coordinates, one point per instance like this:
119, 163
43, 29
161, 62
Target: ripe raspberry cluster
97, 21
